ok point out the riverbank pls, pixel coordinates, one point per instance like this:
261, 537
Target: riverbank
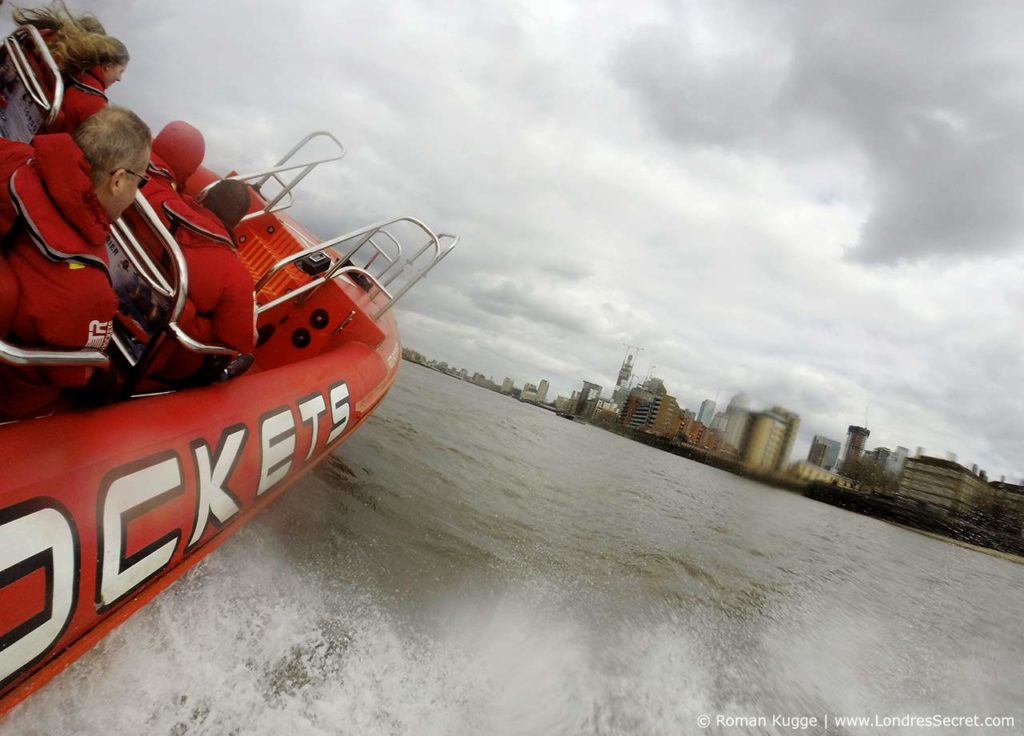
892, 509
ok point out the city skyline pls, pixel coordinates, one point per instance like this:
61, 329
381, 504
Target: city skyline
813, 204
797, 451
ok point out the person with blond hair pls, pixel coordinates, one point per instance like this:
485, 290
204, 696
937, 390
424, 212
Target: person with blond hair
89, 59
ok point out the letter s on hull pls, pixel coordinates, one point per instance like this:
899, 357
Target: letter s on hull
340, 410
36, 536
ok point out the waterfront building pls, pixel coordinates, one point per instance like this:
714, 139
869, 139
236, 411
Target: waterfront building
587, 399
542, 391
855, 439
824, 452
655, 386
413, 356
737, 416
666, 416
564, 404
944, 487
719, 422
899, 456
507, 386
880, 457
1008, 507
769, 440
707, 412
619, 395
811, 472
529, 393
636, 411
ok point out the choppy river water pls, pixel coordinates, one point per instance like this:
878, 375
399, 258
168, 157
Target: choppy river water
467, 564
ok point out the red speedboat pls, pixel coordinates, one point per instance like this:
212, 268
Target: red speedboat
101, 508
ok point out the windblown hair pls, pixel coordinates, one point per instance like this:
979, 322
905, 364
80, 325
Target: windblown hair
77, 42
112, 139
229, 200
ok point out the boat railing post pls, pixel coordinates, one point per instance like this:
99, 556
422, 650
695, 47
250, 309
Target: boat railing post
26, 71
19, 356
258, 179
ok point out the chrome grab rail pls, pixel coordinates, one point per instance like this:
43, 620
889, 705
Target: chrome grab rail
14, 355
259, 178
136, 253
317, 283
440, 253
23, 68
155, 280
442, 245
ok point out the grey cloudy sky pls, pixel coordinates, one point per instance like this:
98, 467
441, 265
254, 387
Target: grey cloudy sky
815, 203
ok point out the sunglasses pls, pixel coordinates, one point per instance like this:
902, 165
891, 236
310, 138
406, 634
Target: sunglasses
143, 179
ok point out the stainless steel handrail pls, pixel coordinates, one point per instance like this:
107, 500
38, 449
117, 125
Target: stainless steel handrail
14, 355
342, 263
317, 283
179, 293
261, 177
440, 255
368, 232
27, 75
136, 253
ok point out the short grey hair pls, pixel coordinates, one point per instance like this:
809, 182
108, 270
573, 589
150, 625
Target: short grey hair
111, 139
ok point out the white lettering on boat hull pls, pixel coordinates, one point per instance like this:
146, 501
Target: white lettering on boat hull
123, 500
213, 496
277, 446
32, 539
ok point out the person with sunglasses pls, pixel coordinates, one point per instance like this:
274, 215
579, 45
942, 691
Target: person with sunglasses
64, 197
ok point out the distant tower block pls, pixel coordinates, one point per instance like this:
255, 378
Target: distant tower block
855, 439
625, 372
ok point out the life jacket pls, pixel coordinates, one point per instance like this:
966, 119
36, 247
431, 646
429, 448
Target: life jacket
59, 254
85, 94
13, 155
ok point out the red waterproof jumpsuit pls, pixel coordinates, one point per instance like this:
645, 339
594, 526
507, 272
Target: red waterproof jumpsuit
221, 309
57, 257
85, 94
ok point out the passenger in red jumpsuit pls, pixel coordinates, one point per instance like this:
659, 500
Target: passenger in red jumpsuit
85, 93
87, 57
221, 308
66, 198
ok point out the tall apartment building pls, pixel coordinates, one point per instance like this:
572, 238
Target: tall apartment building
855, 439
588, 394
769, 440
542, 391
737, 416
824, 452
707, 412
506, 386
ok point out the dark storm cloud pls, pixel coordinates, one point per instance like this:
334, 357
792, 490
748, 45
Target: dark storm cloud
925, 94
